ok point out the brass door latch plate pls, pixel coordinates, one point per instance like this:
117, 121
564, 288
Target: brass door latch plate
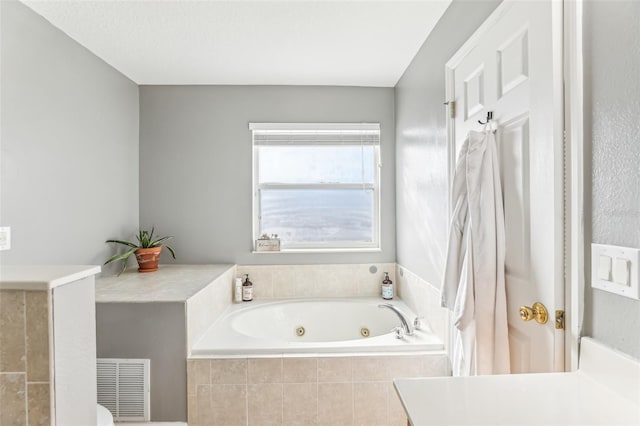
559, 320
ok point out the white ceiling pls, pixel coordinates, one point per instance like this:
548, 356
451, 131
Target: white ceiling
302, 42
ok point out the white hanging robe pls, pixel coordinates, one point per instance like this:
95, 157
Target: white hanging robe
473, 286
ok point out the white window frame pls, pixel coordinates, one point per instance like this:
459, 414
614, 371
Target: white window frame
375, 245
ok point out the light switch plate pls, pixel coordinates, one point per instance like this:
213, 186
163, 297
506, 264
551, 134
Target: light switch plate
618, 256
621, 271
604, 268
5, 237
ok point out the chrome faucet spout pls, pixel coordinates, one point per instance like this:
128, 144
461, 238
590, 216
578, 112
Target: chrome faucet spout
406, 325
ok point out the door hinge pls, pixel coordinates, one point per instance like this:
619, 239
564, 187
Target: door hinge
559, 320
452, 108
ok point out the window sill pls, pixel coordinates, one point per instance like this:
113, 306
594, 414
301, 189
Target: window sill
332, 250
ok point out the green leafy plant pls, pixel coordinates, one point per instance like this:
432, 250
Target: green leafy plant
145, 240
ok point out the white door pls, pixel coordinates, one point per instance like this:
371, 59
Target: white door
513, 66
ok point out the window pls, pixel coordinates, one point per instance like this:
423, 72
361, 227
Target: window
317, 185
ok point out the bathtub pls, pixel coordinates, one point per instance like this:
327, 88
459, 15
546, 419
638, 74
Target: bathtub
312, 326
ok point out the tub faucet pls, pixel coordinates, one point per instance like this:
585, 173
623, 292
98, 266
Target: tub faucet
406, 326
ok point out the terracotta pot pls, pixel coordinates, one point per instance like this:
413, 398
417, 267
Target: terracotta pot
148, 258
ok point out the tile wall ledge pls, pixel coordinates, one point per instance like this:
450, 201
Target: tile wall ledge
311, 251
43, 277
404, 270
170, 283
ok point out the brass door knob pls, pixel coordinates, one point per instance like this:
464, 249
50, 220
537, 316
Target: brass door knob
537, 312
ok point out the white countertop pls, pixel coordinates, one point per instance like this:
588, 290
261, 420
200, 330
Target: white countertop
576, 398
40, 277
171, 283
517, 399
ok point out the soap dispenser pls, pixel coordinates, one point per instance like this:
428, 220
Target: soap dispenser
387, 287
247, 289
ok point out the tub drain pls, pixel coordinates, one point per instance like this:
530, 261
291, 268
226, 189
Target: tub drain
300, 331
364, 332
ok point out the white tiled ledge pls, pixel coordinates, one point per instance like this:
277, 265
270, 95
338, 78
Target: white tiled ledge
171, 283
336, 250
40, 277
152, 424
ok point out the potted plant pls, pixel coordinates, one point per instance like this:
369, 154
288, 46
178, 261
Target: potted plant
147, 251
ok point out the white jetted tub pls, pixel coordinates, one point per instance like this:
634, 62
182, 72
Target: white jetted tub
312, 326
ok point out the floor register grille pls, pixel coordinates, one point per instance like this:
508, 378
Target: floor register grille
123, 388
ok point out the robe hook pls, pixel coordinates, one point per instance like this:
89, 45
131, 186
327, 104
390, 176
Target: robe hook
489, 118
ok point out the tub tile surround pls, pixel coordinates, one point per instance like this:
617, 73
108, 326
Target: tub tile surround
12, 399
354, 390
24, 358
295, 390
424, 299
300, 404
43, 350
265, 402
304, 281
207, 305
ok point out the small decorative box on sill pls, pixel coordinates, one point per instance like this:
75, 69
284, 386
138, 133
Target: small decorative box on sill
266, 243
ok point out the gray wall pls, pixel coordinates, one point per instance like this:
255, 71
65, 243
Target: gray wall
421, 142
612, 117
149, 330
69, 145
196, 155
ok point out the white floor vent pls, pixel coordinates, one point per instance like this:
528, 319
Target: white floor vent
123, 388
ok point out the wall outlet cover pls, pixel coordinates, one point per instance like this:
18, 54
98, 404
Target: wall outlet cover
625, 259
